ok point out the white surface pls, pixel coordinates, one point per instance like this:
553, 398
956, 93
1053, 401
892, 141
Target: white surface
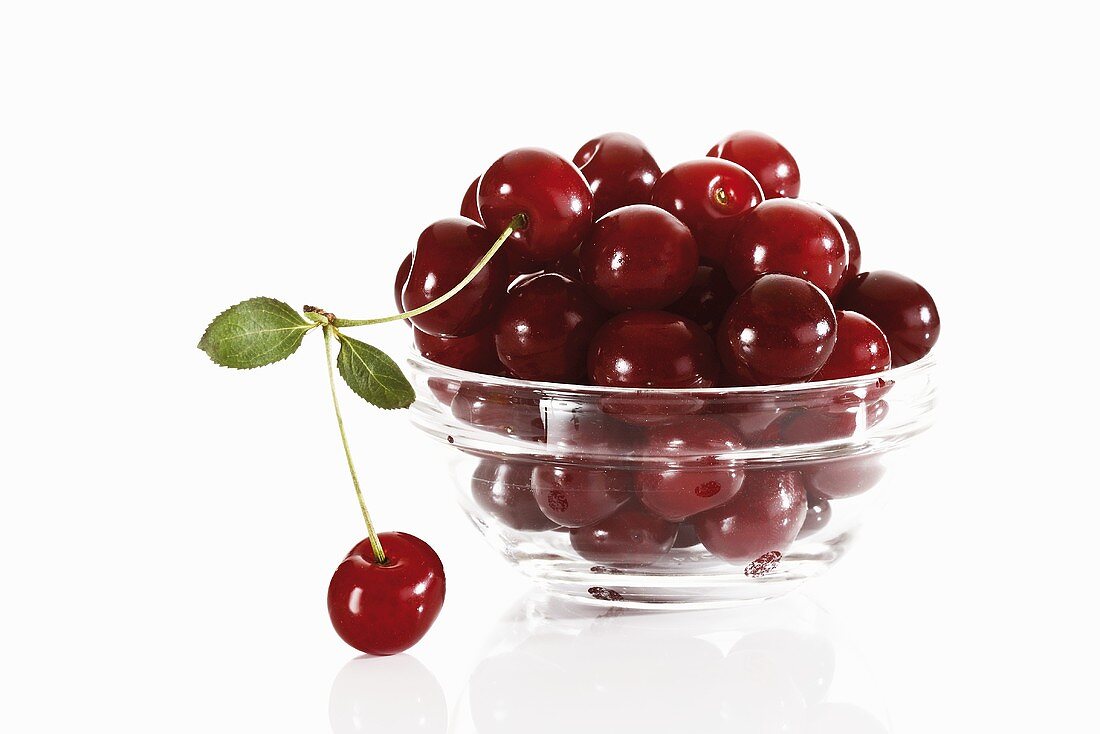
168, 528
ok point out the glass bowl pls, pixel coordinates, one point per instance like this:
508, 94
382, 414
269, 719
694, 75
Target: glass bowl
693, 497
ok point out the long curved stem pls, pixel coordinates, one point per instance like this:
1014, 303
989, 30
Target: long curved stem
518, 222
375, 543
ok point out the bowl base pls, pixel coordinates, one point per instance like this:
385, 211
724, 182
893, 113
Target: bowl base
689, 579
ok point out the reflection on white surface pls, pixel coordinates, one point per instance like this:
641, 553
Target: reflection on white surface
391, 694
555, 666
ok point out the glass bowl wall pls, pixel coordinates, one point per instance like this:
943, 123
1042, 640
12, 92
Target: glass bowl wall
696, 497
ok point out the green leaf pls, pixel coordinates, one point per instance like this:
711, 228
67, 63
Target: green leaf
372, 375
253, 333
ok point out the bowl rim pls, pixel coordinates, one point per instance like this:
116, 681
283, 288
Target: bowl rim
895, 374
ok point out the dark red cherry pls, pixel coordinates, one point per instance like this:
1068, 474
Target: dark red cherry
708, 195
499, 409
544, 327
694, 478
545, 187
780, 330
765, 515
789, 237
847, 477
652, 349
569, 266
474, 353
469, 203
575, 495
686, 537
503, 489
519, 266
399, 282
707, 298
386, 608
444, 255
826, 421
855, 255
818, 513
638, 256
861, 348
768, 161
629, 537
901, 307
619, 170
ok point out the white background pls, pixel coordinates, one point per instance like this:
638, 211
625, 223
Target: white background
168, 528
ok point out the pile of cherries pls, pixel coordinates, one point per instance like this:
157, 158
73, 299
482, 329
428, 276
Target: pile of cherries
618, 274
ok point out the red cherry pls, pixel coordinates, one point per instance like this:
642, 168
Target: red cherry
503, 490
629, 537
789, 237
619, 170
686, 537
855, 256
469, 202
499, 409
573, 495
444, 255
643, 349
474, 353
765, 515
708, 195
638, 256
544, 327
548, 190
901, 307
386, 608
818, 513
652, 349
828, 420
768, 161
569, 266
707, 298
860, 349
780, 330
694, 479
847, 477
399, 282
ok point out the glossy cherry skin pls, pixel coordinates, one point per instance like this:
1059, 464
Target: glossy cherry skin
780, 330
707, 298
768, 161
765, 515
399, 282
860, 349
384, 609
577, 495
848, 477
855, 254
545, 187
708, 195
619, 170
544, 327
899, 306
503, 490
818, 513
469, 203
444, 255
638, 256
652, 349
629, 537
499, 409
686, 537
474, 353
694, 479
789, 237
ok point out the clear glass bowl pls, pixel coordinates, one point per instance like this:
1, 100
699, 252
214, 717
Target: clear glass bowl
604, 494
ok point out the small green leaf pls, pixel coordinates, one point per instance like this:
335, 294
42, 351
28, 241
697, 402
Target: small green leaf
372, 375
253, 333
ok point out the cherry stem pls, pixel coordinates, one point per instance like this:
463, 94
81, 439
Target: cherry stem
518, 222
375, 543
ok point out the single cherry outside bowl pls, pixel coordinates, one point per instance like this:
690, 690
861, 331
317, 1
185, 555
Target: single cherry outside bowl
699, 498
